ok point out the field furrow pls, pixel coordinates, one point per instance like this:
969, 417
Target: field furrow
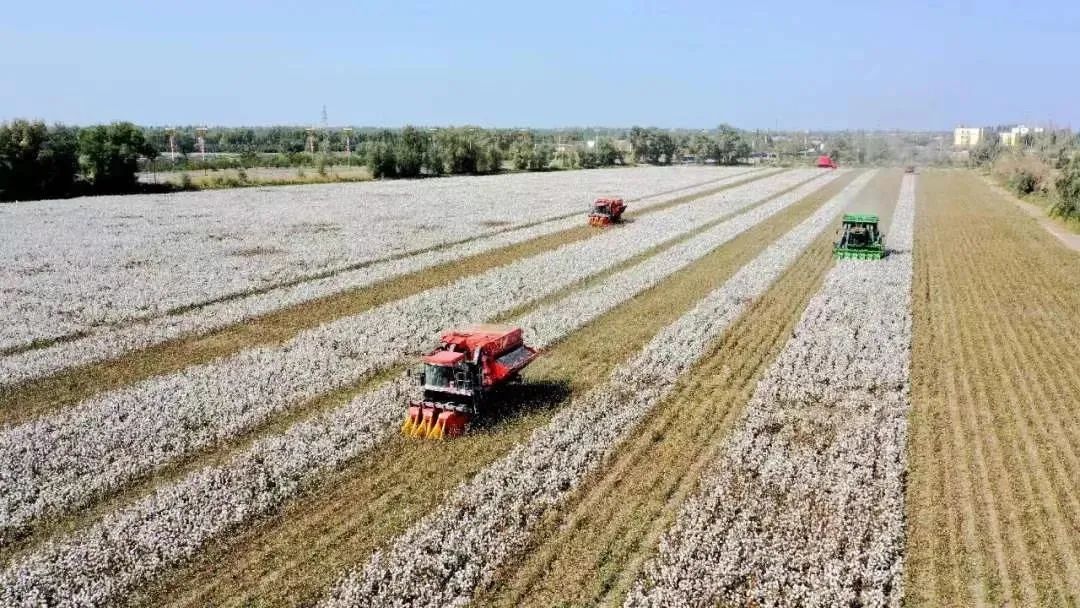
804, 505
443, 557
497, 246
60, 462
996, 290
589, 551
312, 447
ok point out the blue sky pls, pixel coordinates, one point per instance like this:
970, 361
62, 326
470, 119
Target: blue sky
792, 65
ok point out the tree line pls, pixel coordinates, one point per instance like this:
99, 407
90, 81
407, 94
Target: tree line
37, 161
1044, 166
40, 161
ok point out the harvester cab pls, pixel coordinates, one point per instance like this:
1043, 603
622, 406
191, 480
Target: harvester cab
606, 211
826, 162
860, 238
459, 374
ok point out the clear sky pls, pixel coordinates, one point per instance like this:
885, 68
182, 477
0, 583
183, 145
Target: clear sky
754, 63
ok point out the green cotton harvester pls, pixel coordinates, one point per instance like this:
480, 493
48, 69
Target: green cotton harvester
860, 238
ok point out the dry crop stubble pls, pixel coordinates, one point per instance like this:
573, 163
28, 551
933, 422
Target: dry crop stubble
993, 512
590, 550
375, 498
26, 400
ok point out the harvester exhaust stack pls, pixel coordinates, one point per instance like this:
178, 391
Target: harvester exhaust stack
860, 238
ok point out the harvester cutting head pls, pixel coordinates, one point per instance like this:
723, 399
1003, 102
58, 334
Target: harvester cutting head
457, 376
606, 211
859, 238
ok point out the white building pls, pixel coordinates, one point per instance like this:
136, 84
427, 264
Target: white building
1013, 135
967, 137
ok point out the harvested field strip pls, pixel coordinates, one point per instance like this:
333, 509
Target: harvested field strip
60, 463
804, 505
993, 511
548, 322
39, 396
442, 558
349, 514
591, 549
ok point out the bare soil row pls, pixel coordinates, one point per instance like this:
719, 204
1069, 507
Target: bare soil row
993, 499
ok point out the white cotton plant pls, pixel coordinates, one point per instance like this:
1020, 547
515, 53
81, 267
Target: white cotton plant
133, 544
805, 504
61, 462
95, 263
108, 341
442, 559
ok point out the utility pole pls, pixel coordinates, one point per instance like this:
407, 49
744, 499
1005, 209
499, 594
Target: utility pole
172, 143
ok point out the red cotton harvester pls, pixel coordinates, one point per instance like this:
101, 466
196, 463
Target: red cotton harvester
605, 211
469, 363
825, 162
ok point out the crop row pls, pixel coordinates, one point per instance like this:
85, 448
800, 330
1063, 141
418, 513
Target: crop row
62, 461
108, 341
441, 559
115, 259
134, 543
805, 505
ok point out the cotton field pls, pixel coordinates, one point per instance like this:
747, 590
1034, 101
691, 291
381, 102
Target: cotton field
202, 396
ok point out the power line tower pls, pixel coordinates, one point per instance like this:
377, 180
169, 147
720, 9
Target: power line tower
200, 141
172, 143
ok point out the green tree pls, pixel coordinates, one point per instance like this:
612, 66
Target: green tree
987, 150
662, 147
607, 154
522, 155
541, 159
109, 155
728, 150
459, 150
639, 143
36, 162
410, 152
1067, 191
379, 158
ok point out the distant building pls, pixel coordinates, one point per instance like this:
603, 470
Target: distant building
967, 137
1013, 135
